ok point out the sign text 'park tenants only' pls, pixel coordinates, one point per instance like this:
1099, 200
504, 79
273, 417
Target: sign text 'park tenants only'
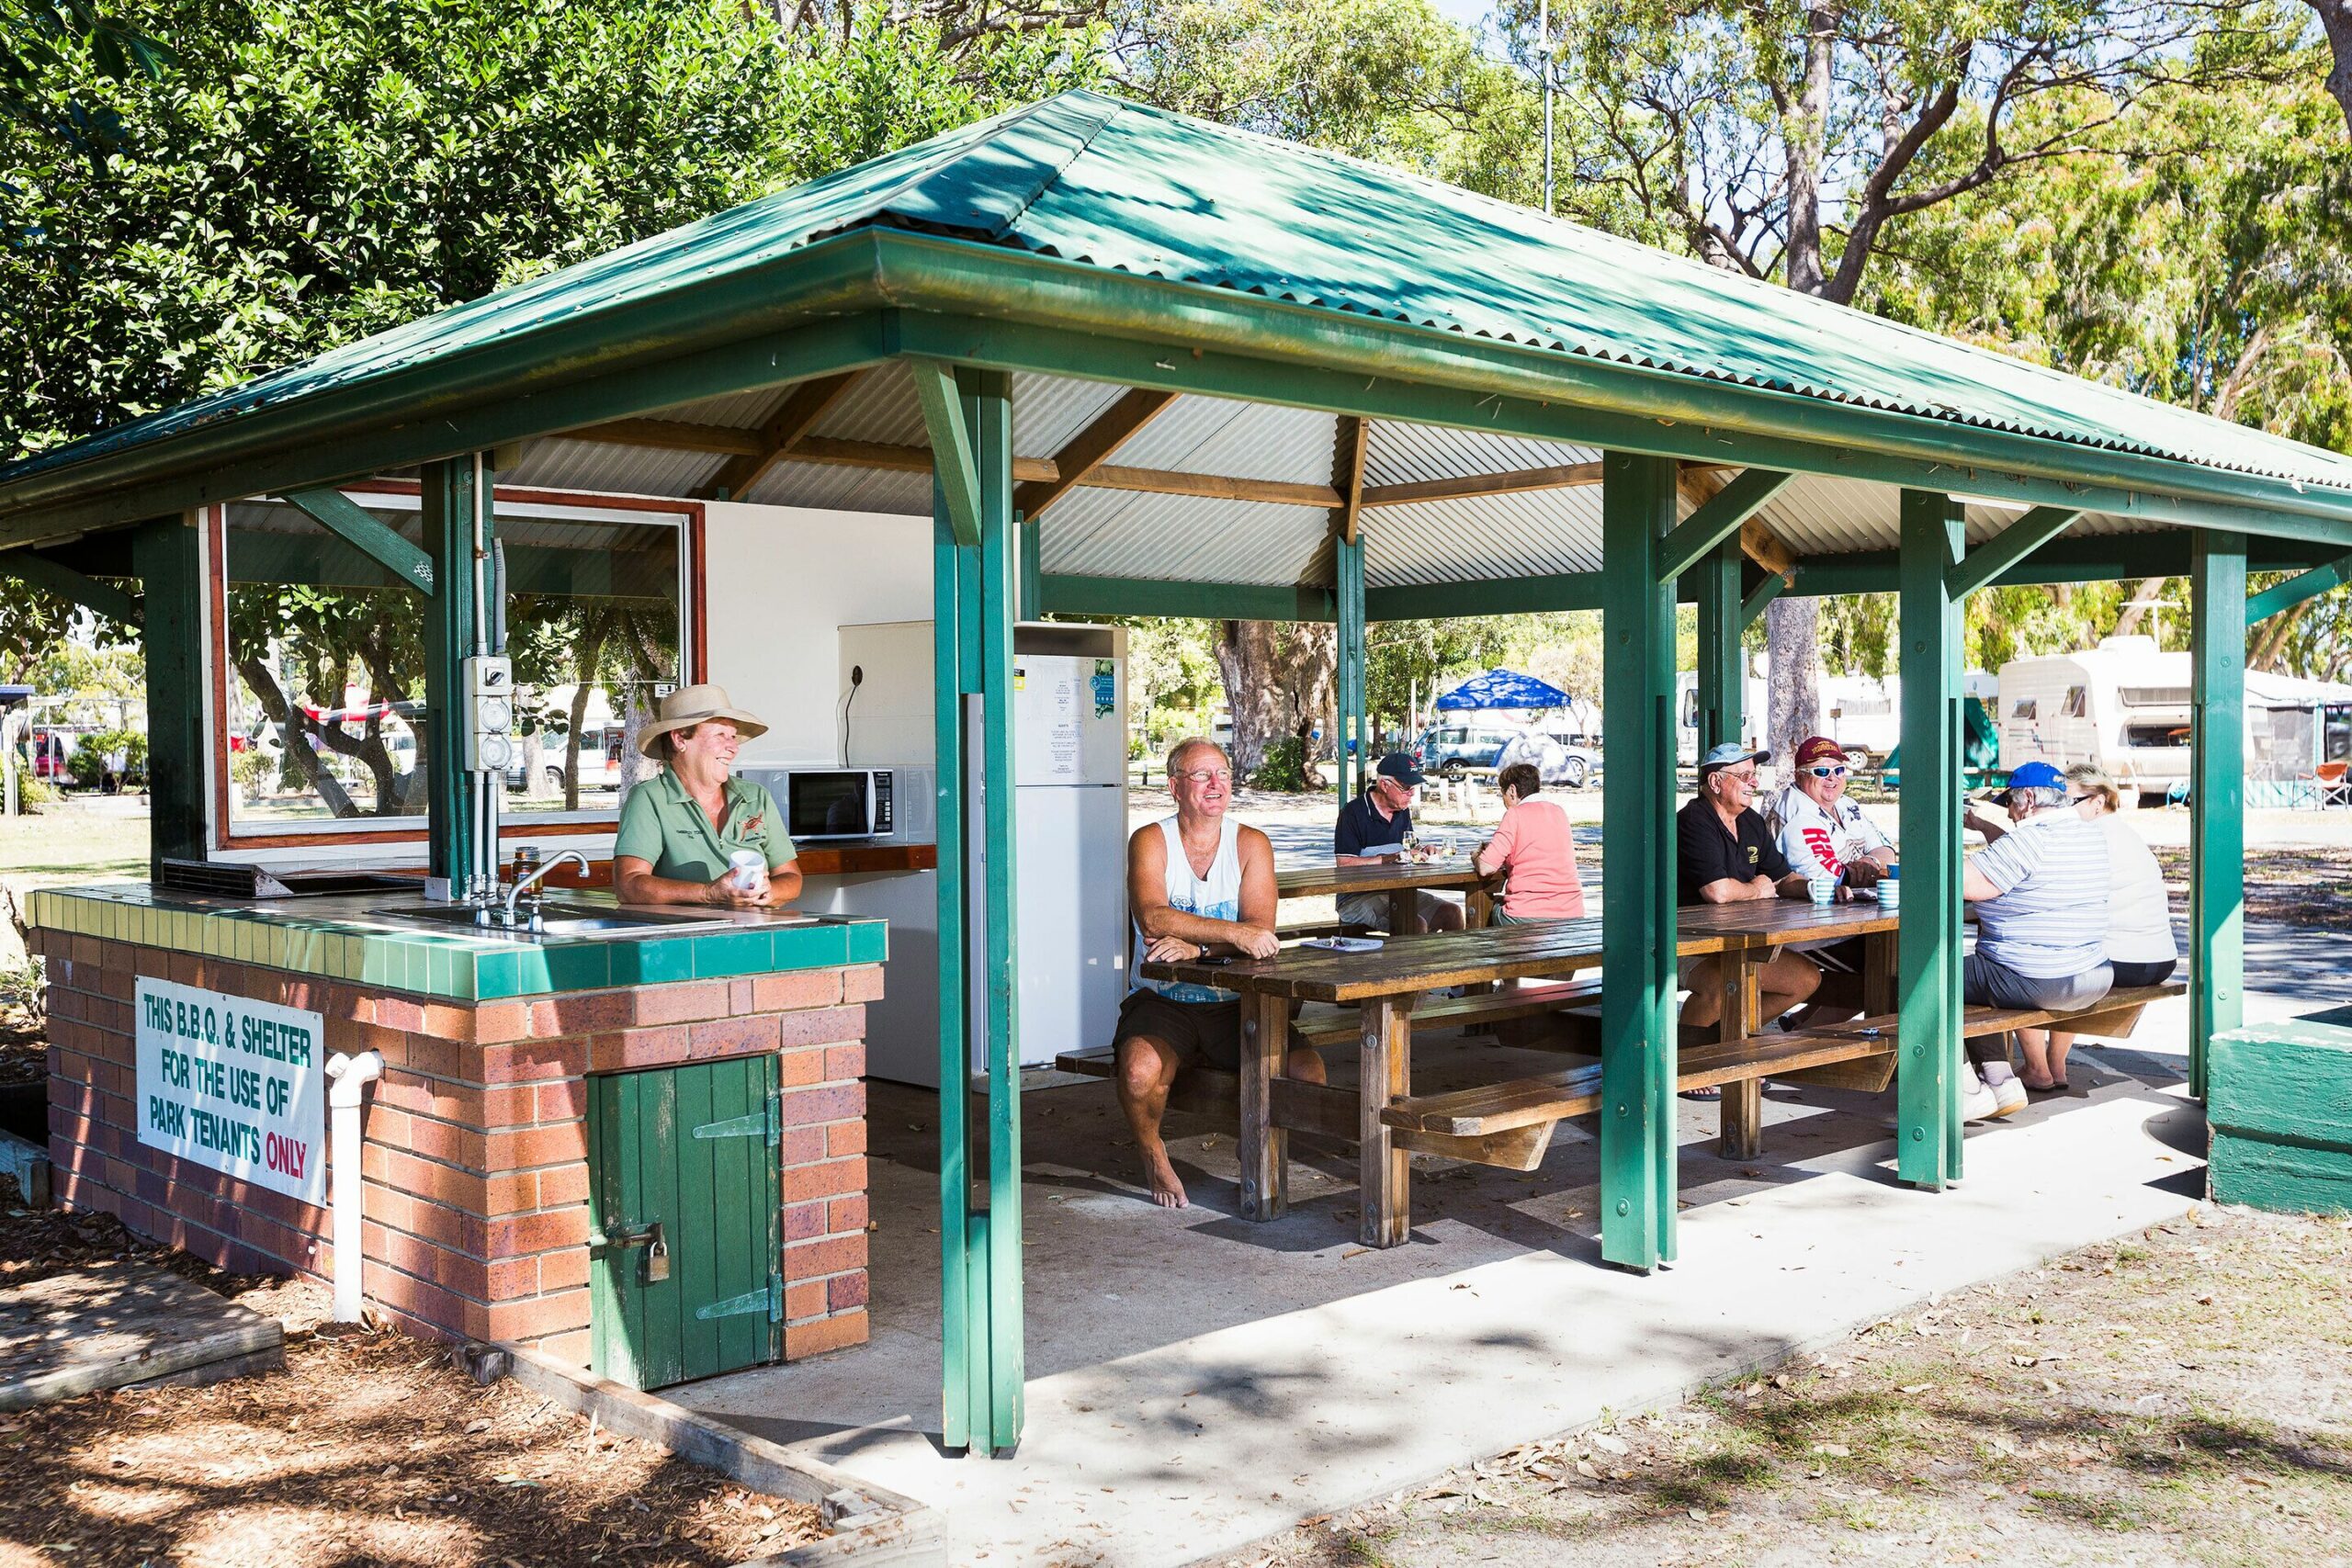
233, 1084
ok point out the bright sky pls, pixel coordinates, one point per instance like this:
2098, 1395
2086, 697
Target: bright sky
1469, 13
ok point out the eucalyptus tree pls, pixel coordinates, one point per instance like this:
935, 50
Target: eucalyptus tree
1792, 140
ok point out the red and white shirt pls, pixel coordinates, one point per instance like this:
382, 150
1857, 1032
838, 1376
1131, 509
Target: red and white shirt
1818, 841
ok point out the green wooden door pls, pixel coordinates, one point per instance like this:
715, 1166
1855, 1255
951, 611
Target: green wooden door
692, 1149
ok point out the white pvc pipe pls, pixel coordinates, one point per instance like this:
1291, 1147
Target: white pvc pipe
348, 1077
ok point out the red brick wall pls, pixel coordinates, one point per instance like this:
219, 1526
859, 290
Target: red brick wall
475, 1148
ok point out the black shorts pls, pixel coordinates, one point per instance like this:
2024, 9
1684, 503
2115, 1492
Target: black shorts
1206, 1032
2128, 974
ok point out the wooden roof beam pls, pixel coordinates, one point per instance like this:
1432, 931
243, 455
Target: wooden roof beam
802, 409
1349, 440
1090, 448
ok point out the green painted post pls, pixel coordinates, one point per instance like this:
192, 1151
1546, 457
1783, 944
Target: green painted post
169, 555
976, 587
948, 667
1723, 663
457, 491
1928, 1068
1349, 564
1637, 1120
2217, 608
1030, 533
988, 410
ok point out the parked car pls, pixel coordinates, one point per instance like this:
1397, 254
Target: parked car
1556, 761
1447, 748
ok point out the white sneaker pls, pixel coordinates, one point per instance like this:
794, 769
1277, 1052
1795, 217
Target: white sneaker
1978, 1103
2008, 1095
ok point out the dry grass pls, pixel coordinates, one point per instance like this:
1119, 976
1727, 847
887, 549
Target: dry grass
2182, 1397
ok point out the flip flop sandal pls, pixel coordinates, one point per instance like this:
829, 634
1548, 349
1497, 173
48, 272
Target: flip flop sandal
1701, 1094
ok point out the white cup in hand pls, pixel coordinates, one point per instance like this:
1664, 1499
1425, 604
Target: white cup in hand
750, 865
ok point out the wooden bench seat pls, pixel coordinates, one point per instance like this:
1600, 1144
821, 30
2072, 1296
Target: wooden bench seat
1337, 1026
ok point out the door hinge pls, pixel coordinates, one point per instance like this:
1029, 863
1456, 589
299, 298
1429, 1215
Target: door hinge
766, 1122
770, 1301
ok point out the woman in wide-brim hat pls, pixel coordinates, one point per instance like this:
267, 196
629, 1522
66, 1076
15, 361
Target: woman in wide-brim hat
681, 829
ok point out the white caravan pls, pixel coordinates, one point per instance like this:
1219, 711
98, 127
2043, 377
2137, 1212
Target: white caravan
1861, 713
2122, 705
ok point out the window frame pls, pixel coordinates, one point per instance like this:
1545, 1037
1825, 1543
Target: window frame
532, 502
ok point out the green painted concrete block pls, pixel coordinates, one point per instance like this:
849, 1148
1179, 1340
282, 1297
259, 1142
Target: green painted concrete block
2278, 1100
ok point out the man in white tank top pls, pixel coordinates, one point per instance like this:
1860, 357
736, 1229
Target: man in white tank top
1199, 883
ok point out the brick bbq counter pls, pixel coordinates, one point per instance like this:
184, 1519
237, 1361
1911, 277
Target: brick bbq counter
477, 1143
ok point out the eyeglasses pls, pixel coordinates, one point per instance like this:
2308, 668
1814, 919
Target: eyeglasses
1832, 771
1206, 775
1736, 776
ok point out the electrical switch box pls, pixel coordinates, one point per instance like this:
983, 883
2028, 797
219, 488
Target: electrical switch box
490, 699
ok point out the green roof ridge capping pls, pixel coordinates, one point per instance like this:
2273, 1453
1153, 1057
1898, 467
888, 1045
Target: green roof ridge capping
1117, 186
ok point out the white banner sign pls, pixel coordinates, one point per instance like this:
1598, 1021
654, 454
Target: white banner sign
235, 1084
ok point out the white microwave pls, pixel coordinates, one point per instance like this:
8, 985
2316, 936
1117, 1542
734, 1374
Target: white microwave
838, 802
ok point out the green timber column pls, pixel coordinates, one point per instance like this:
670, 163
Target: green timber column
2217, 610
976, 591
1638, 1041
1723, 665
1928, 1124
1351, 770
456, 523
169, 555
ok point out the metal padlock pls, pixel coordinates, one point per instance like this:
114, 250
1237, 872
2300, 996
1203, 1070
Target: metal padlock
657, 1257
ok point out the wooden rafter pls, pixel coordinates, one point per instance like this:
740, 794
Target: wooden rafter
1518, 481
801, 410
1348, 446
1091, 447
1701, 484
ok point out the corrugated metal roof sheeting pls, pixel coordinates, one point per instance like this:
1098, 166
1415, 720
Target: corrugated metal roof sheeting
1104, 533
844, 489
1048, 409
1400, 453
880, 406
1817, 516
1246, 441
739, 411
1537, 534
620, 471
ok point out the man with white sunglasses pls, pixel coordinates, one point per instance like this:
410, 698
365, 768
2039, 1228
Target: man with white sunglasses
1821, 831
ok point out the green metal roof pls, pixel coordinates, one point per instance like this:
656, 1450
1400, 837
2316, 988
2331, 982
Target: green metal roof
1109, 185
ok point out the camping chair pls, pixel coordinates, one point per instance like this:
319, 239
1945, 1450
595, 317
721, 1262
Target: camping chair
2331, 785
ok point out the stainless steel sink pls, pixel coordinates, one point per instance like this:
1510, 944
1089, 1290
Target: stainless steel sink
556, 919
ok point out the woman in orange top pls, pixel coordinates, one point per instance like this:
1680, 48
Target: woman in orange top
1536, 849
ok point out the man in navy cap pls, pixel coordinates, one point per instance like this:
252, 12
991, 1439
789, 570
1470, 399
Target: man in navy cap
2040, 889
1372, 828
1725, 854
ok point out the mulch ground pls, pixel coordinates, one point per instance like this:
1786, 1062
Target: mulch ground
2183, 1397
2306, 885
370, 1447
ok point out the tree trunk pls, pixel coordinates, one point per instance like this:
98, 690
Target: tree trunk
2271, 636
2335, 16
1793, 702
591, 655
2145, 594
1248, 660
1314, 682
294, 735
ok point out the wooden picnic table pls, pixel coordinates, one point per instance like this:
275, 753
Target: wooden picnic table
1385, 985
1401, 880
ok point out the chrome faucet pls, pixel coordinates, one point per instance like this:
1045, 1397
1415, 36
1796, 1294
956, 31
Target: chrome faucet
532, 880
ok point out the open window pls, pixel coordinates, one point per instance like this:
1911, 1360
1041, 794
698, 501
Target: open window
320, 668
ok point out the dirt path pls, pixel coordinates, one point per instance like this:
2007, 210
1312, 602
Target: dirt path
368, 1448
2183, 1397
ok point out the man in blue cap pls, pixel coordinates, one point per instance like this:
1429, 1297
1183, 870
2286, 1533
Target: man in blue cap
2040, 889
1372, 827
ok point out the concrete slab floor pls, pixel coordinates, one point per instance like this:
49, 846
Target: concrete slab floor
1197, 1380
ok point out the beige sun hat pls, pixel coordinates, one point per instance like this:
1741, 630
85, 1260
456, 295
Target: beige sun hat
690, 705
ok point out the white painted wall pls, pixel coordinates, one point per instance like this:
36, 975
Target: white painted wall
781, 582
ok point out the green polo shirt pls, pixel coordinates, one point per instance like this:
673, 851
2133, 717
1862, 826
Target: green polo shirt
665, 827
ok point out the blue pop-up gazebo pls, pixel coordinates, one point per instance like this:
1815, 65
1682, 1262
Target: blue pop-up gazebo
1503, 689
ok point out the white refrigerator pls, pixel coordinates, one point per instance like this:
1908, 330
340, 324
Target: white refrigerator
1070, 770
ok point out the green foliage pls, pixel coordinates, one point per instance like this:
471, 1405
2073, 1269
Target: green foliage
89, 760
1284, 768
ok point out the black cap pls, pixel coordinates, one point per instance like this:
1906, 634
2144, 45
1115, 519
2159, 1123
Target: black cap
1398, 765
